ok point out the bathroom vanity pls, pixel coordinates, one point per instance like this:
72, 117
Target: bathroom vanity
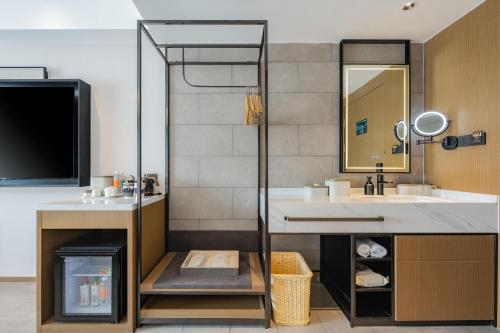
441, 253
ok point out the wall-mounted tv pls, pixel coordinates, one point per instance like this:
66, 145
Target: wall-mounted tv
44, 133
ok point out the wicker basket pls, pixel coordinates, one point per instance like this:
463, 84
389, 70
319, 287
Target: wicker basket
290, 288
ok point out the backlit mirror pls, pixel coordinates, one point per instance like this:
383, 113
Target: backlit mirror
375, 117
431, 123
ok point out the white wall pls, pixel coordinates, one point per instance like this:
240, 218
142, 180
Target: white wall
64, 14
105, 59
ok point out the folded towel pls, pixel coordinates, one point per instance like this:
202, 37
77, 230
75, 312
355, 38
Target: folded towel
376, 250
365, 277
362, 248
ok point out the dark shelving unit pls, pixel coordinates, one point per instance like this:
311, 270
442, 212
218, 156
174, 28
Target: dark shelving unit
363, 306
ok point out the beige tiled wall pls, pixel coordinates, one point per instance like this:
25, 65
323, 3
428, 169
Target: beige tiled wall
304, 120
214, 157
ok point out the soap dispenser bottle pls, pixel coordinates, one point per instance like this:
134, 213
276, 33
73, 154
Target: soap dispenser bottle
369, 188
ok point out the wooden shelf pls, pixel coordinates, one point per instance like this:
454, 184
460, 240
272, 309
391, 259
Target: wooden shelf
371, 259
258, 287
372, 289
203, 307
53, 326
374, 314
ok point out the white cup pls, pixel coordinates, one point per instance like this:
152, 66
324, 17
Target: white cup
96, 193
110, 192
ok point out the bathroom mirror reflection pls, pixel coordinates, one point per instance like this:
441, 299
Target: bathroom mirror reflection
400, 130
375, 118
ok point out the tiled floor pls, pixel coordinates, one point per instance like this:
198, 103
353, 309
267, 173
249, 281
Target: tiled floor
17, 315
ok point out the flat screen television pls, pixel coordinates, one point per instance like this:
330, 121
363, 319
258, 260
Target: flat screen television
44, 133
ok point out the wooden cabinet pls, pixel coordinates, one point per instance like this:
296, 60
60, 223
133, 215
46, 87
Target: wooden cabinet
444, 278
54, 228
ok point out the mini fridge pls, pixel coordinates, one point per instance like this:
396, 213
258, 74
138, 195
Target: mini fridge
90, 279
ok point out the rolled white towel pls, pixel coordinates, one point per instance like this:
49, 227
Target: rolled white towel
376, 250
362, 248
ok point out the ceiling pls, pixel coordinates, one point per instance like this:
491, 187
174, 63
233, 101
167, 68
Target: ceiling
316, 21
292, 21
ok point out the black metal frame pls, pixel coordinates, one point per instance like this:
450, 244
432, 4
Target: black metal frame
262, 64
407, 62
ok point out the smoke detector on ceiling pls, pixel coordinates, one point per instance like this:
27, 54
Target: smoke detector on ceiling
409, 5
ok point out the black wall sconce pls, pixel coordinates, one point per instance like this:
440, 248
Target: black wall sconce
432, 123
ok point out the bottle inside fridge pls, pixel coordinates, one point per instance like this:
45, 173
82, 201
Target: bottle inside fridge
85, 292
104, 291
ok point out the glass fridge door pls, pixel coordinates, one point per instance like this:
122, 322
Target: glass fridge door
87, 285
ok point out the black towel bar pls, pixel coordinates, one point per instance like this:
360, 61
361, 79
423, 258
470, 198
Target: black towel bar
334, 219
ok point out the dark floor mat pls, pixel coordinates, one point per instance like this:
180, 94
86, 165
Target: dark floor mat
171, 277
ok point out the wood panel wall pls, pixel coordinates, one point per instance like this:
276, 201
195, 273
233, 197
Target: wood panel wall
462, 79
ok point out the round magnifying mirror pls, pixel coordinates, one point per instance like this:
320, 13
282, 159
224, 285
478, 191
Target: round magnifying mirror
400, 130
431, 123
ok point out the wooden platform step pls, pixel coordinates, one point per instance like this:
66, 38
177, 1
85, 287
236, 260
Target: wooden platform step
257, 288
203, 309
53, 326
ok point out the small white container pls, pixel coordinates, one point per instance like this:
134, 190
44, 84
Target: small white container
315, 190
100, 182
414, 189
338, 187
96, 193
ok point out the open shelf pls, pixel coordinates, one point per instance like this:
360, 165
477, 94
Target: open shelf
258, 288
372, 289
203, 308
371, 259
51, 325
374, 305
363, 306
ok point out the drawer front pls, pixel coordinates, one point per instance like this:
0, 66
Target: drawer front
445, 247
440, 291
444, 278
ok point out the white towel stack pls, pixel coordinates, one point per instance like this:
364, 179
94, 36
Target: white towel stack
368, 248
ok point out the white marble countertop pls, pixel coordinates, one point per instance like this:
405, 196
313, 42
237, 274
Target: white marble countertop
98, 204
443, 212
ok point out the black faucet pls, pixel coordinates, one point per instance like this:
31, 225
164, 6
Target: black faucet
380, 184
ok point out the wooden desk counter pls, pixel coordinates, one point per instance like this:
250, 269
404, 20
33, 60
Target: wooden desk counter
60, 222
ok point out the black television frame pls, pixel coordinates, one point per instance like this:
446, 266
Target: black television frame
81, 136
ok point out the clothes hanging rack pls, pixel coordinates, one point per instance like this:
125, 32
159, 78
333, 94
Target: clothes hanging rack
260, 239
195, 85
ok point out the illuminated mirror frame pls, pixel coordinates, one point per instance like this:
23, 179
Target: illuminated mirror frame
441, 130
345, 62
405, 168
